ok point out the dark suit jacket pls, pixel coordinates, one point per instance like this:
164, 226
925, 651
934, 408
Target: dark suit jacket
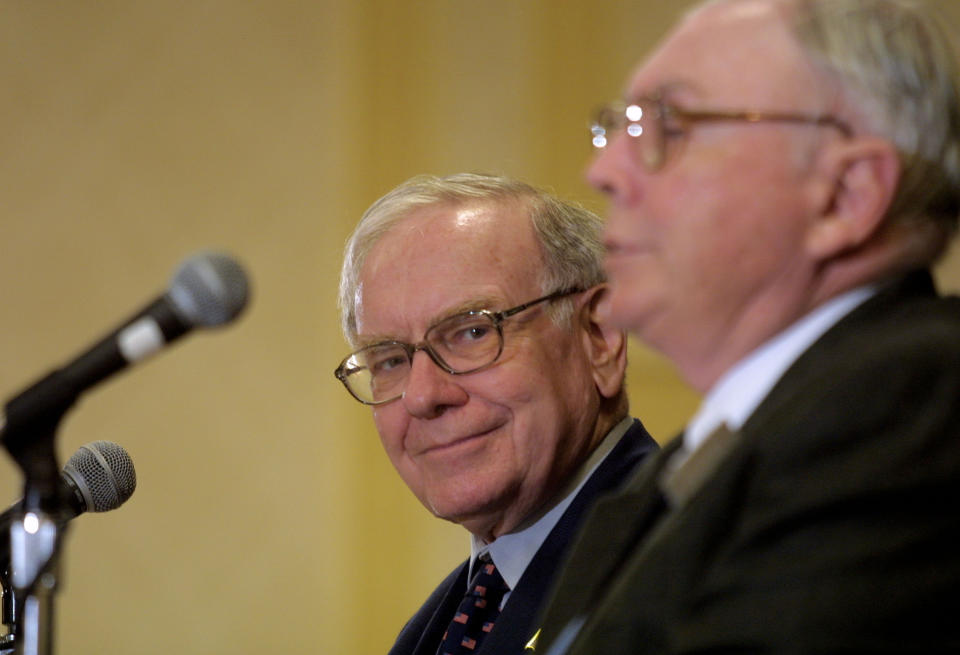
515, 625
830, 525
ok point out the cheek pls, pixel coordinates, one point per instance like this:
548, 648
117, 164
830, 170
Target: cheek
748, 230
391, 425
560, 399
713, 221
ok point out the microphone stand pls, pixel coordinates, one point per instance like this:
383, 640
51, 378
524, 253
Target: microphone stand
35, 537
9, 605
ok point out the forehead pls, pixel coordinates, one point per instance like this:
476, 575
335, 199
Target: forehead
440, 259
731, 53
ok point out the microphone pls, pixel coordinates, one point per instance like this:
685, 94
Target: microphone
99, 477
209, 289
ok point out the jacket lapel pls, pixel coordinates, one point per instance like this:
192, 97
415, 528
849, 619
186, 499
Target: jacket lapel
432, 634
615, 523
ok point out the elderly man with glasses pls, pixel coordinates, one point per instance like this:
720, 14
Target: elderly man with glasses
472, 302
781, 177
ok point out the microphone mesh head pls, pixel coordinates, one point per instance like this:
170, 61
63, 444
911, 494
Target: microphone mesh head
209, 289
104, 472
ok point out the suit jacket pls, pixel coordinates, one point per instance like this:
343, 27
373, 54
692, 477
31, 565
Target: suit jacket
515, 625
830, 523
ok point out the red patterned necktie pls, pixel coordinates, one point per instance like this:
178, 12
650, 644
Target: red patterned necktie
477, 612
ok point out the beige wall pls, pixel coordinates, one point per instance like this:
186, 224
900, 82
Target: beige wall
136, 132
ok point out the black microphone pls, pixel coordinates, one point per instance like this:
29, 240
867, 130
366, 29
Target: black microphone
99, 477
209, 289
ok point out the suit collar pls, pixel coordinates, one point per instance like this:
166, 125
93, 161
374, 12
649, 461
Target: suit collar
917, 284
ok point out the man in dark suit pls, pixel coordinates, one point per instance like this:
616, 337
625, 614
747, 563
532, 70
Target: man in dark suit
473, 302
782, 176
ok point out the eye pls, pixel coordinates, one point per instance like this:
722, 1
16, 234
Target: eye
463, 331
672, 127
473, 333
672, 124
386, 362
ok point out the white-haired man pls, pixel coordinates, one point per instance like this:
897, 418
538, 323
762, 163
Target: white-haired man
781, 177
473, 303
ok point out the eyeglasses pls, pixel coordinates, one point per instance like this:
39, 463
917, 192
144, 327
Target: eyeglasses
462, 343
651, 121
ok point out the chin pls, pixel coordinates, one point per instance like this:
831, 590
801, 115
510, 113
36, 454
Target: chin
628, 309
458, 513
462, 508
624, 316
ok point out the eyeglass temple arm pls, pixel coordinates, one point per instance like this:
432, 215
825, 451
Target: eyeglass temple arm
758, 117
553, 296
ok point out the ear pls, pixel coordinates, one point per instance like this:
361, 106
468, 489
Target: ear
606, 347
858, 178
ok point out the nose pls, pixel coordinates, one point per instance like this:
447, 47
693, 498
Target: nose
431, 391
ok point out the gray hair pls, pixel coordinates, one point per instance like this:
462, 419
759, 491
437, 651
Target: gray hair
567, 234
896, 63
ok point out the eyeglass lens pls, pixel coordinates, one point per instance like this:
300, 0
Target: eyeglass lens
460, 344
642, 121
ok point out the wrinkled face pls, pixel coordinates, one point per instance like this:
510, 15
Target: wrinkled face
487, 448
707, 253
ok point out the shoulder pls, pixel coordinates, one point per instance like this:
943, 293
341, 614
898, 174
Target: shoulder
873, 400
897, 354
421, 621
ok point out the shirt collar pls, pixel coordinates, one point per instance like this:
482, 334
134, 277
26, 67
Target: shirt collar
513, 552
741, 389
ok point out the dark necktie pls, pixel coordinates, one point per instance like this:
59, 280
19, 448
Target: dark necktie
477, 612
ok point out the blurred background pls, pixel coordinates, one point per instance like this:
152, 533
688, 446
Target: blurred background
136, 132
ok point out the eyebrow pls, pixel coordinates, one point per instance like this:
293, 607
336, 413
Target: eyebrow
472, 305
667, 91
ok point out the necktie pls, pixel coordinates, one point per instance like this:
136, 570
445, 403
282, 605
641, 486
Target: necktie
686, 473
477, 612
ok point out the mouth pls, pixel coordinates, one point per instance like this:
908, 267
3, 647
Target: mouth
618, 252
616, 242
450, 446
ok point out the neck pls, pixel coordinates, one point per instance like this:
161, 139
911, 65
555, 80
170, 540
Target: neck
892, 252
489, 527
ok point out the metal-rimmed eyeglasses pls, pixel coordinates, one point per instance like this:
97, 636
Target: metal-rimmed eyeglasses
459, 344
651, 121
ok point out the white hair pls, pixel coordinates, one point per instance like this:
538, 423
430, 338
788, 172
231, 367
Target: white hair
568, 235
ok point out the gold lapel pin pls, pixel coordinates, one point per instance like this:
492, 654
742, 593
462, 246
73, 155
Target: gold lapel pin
532, 644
